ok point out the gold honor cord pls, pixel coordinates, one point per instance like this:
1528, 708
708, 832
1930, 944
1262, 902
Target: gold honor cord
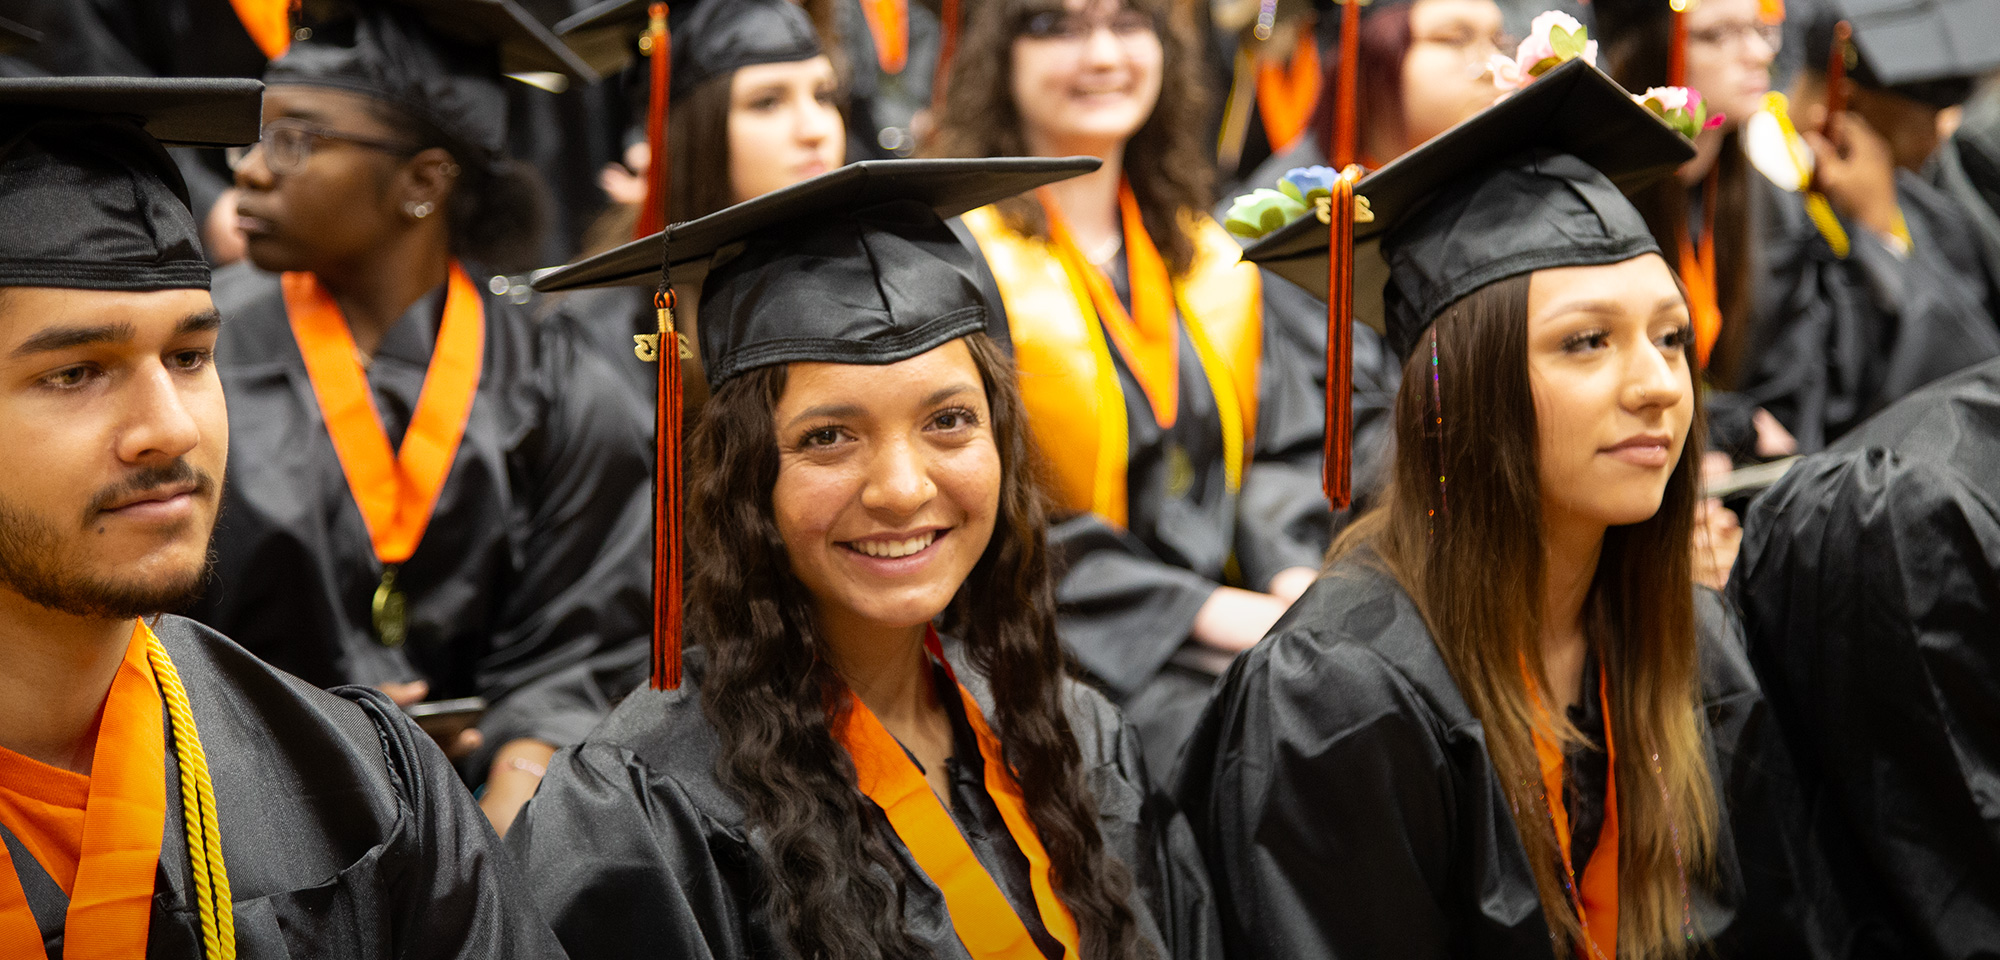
198, 814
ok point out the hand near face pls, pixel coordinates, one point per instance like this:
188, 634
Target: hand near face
1856, 171
1717, 537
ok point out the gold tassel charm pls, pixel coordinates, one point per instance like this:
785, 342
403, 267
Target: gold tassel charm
646, 346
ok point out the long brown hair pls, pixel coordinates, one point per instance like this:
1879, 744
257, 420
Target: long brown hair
834, 888
1170, 166
1638, 58
1470, 556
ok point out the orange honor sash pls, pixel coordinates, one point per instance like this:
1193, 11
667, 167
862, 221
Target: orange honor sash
980, 913
1596, 899
1697, 269
396, 490
111, 900
1286, 93
1147, 336
889, 27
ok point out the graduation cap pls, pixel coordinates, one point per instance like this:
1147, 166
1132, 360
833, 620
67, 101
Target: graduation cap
703, 40
442, 62
1532, 182
92, 200
1928, 50
853, 266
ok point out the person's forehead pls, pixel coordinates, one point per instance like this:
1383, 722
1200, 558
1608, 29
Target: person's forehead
317, 104
28, 311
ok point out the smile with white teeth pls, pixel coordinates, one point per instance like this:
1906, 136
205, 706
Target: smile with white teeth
894, 549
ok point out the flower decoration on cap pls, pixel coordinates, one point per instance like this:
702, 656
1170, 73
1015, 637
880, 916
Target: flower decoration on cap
1263, 210
1554, 38
1681, 107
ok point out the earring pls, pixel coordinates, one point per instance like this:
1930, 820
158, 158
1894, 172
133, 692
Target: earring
419, 210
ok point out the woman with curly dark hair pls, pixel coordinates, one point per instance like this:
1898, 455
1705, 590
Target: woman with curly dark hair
1138, 336
871, 584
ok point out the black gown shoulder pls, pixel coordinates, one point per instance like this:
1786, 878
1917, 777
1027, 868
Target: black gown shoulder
345, 831
530, 586
1870, 584
634, 847
1340, 789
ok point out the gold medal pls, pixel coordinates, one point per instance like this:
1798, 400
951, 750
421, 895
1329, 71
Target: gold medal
388, 608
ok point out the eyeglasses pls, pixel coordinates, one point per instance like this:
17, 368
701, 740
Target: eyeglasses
1471, 46
1740, 32
1066, 27
288, 143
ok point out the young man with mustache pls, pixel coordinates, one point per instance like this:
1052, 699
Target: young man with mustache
162, 792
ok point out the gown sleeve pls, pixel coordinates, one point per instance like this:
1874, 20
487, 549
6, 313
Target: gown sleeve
1867, 584
575, 627
1324, 805
455, 889
1839, 338
621, 865
1124, 611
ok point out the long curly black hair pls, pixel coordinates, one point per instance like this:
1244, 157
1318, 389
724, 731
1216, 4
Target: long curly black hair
835, 883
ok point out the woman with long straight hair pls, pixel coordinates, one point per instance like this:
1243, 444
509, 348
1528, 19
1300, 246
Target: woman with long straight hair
875, 752
1138, 336
1505, 722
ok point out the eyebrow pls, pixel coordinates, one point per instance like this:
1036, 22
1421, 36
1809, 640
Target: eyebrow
69, 338
1613, 307
840, 411
65, 338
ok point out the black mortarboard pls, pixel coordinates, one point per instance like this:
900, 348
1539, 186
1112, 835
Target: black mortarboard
88, 196
711, 38
442, 62
1491, 198
1928, 50
1529, 183
853, 266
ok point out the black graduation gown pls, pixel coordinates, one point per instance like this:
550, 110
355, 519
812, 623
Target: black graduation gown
345, 832
1835, 340
1967, 169
1129, 597
530, 587
1870, 587
881, 104
1341, 791
634, 848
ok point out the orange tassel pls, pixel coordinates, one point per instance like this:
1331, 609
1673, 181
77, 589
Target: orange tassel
667, 499
653, 215
1337, 467
1836, 77
1350, 64
947, 47
1677, 43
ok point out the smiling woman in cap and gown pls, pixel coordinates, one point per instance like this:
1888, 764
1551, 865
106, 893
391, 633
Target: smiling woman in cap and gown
432, 494
163, 793
870, 748
1138, 334
1505, 722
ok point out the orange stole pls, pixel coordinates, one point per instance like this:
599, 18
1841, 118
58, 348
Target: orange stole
111, 900
1596, 898
980, 913
1069, 383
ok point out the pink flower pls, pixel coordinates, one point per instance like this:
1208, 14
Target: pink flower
1681, 108
1553, 38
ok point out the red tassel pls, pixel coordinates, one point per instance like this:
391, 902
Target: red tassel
1677, 43
1337, 468
1836, 77
1350, 64
947, 47
667, 505
653, 215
